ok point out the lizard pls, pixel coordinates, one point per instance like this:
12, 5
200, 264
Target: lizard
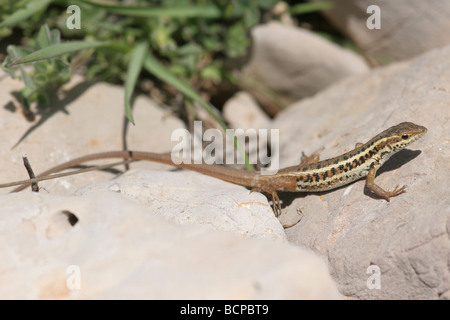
363, 161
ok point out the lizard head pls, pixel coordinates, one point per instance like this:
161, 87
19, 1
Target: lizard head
403, 134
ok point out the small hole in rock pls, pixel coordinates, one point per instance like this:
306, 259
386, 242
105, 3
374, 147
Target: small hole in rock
71, 217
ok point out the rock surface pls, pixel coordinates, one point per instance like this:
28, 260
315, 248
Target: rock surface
88, 118
407, 28
121, 242
179, 197
242, 111
118, 248
408, 237
294, 63
103, 246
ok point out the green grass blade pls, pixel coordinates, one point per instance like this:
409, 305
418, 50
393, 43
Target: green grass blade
58, 49
152, 65
30, 8
310, 7
183, 11
134, 68
16, 53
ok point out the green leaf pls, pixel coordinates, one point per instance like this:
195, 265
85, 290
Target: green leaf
183, 11
55, 36
43, 38
8, 69
59, 49
27, 79
211, 72
236, 41
17, 53
134, 68
30, 9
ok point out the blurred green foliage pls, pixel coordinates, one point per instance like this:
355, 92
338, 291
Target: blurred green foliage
192, 39
46, 76
186, 44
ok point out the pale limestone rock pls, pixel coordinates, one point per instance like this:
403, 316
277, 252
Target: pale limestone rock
407, 238
242, 111
119, 250
193, 198
243, 114
295, 63
90, 118
407, 27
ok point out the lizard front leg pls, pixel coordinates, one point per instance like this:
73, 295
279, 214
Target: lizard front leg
372, 186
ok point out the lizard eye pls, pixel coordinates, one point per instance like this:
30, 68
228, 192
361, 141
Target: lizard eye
405, 136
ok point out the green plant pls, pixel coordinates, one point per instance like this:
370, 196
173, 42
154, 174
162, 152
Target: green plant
183, 43
47, 75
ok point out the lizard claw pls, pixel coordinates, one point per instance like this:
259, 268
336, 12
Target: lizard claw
397, 191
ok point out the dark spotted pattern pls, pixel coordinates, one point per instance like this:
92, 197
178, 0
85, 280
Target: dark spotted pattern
330, 173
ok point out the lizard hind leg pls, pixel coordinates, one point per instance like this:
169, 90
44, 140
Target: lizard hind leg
312, 158
276, 203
